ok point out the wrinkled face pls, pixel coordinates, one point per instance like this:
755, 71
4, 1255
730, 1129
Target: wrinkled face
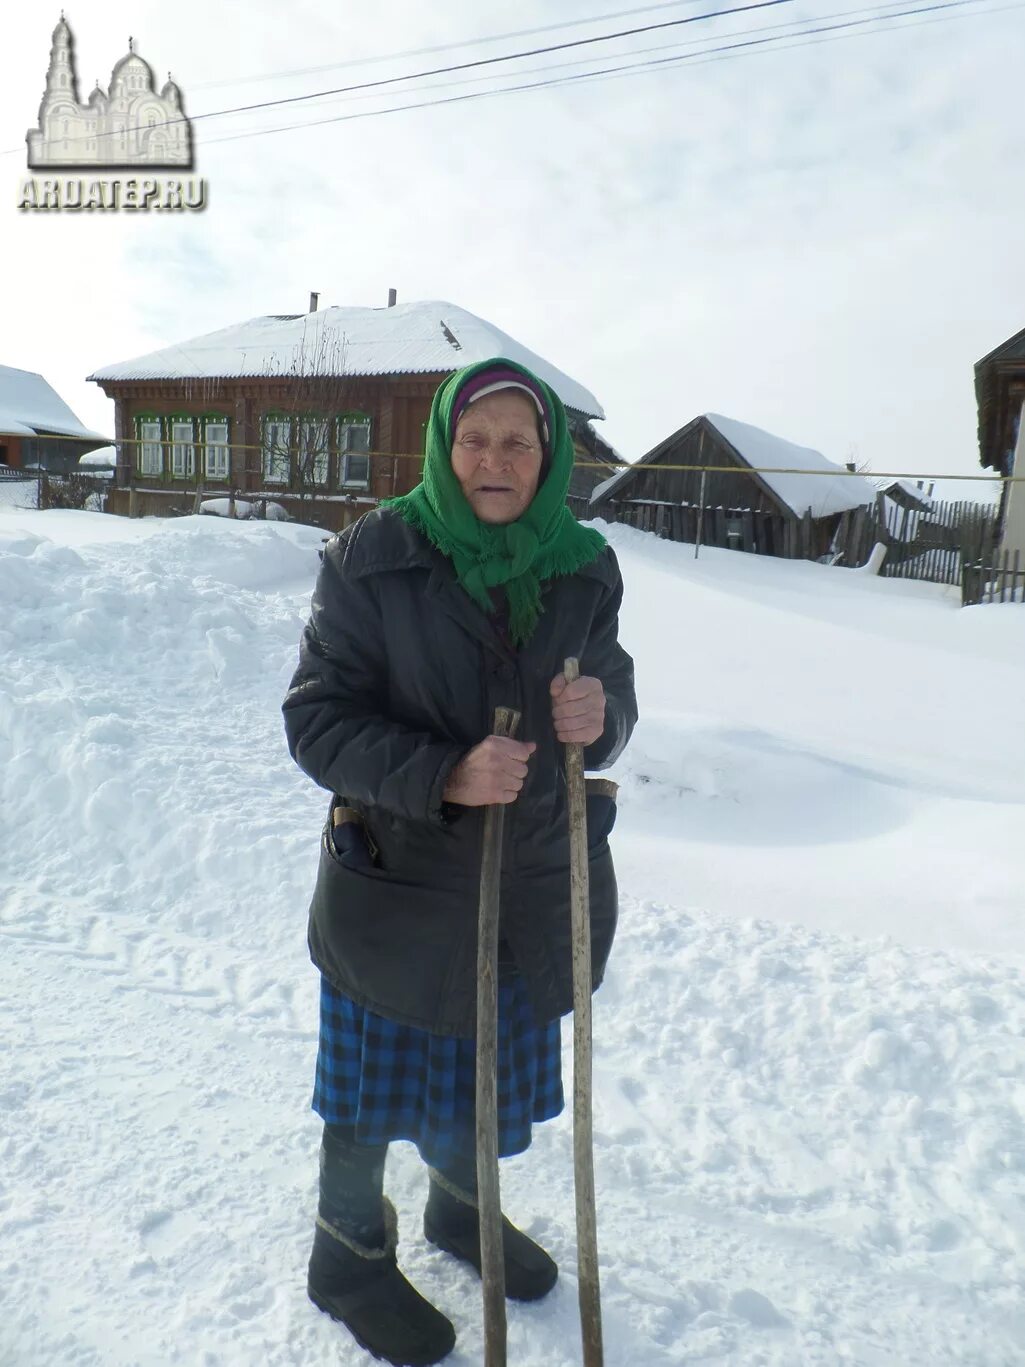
496, 455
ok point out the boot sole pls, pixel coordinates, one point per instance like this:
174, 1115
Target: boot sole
417, 1360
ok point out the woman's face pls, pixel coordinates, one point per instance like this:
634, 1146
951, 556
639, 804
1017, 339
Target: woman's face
496, 455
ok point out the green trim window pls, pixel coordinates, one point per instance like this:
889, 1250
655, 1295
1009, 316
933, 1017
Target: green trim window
149, 457
216, 434
277, 445
353, 439
183, 446
313, 453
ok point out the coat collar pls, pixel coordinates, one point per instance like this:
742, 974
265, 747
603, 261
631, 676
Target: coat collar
382, 542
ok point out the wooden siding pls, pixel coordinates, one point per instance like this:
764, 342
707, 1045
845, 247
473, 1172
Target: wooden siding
398, 408
10, 451
697, 444
762, 532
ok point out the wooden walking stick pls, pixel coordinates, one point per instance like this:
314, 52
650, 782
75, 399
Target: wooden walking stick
489, 1202
583, 1144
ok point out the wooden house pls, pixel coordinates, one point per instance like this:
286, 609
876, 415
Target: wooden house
727, 497
322, 413
38, 431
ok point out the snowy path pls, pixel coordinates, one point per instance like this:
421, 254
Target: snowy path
810, 1147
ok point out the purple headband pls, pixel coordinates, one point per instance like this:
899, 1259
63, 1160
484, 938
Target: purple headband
490, 382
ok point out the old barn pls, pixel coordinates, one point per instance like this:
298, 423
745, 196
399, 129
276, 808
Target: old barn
721, 482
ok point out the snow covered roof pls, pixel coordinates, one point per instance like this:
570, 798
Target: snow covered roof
831, 491
28, 405
821, 495
407, 339
902, 490
613, 482
104, 458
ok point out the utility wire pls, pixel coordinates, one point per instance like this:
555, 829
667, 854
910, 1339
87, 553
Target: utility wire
839, 472
460, 66
494, 61
438, 47
801, 37
788, 30
717, 52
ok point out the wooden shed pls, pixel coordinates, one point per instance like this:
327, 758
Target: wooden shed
743, 489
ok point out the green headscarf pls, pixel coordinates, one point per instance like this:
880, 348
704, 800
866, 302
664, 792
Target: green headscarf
545, 541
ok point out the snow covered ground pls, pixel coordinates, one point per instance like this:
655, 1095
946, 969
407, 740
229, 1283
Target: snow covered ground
810, 1069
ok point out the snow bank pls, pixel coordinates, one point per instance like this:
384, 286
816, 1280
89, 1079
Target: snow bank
242, 509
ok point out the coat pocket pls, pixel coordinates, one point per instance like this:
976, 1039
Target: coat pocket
348, 839
601, 809
392, 943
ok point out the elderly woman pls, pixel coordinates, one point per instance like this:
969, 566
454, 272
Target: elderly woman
465, 594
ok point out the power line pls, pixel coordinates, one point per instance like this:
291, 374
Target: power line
494, 61
719, 52
700, 59
439, 47
795, 32
748, 46
460, 66
790, 24
838, 472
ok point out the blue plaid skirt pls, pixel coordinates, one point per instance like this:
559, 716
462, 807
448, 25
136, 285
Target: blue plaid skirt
394, 1081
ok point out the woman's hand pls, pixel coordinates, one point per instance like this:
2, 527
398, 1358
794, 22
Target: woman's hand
492, 771
578, 709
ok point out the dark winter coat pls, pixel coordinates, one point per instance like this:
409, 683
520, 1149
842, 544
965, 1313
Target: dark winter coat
399, 676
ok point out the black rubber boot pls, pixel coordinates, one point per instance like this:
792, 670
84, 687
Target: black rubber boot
353, 1273
452, 1222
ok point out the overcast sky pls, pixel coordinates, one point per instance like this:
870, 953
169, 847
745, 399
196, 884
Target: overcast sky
820, 240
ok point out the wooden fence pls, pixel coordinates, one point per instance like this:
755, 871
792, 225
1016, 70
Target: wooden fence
998, 579
947, 543
79, 489
742, 529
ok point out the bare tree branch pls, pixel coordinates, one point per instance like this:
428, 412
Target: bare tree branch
296, 436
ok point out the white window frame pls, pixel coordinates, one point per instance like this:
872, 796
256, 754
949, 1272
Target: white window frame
277, 460
307, 429
183, 449
347, 428
217, 449
151, 452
